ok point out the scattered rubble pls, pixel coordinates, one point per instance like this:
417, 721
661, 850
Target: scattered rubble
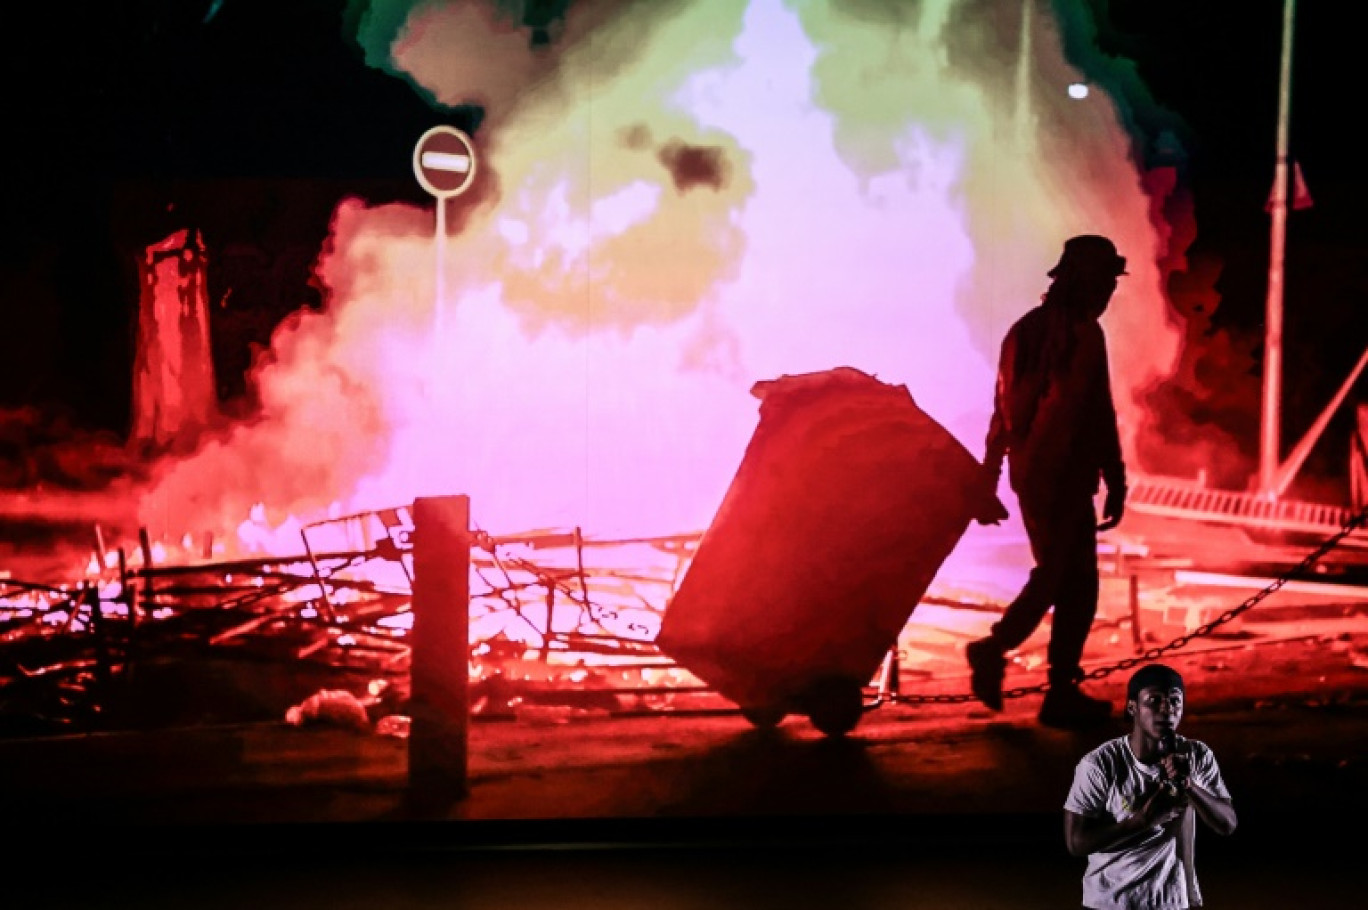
560, 627
331, 706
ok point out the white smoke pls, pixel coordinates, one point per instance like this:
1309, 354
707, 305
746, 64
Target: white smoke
679, 210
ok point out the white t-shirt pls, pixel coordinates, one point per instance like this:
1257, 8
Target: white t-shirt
1145, 871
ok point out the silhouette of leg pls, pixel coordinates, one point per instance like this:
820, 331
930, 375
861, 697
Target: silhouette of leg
986, 656
1051, 553
1076, 598
1065, 705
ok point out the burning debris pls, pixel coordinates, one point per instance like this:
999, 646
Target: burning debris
561, 627
550, 613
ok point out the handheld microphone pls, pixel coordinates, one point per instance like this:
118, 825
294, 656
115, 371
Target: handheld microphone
1172, 744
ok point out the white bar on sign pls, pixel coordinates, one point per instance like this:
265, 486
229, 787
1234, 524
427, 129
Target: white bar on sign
445, 161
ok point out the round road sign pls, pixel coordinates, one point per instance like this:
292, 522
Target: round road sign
444, 161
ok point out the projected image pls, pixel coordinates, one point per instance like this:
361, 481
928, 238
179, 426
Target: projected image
616, 409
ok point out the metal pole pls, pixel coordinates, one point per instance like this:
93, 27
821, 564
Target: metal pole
439, 282
1270, 430
148, 590
1021, 112
1137, 636
100, 551
1299, 453
90, 596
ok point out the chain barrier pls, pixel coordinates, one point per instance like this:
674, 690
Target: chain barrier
1181, 641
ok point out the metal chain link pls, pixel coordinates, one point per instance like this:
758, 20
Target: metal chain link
1181, 641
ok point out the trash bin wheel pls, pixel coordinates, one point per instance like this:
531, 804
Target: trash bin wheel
765, 718
835, 705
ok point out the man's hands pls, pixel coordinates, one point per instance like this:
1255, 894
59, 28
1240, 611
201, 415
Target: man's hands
1113, 508
1176, 768
1162, 807
988, 509
1092, 834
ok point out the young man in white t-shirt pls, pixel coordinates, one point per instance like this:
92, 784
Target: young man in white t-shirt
1134, 801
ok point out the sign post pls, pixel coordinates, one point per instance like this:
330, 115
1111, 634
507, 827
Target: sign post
444, 163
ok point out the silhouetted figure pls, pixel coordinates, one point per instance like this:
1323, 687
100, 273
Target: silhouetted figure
1055, 423
1135, 799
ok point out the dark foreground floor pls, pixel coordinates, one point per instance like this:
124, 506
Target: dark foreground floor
926, 806
946, 863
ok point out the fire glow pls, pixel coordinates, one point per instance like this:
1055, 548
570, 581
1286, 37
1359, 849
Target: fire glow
687, 203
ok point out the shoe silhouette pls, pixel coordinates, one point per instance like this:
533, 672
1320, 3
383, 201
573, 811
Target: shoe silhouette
1068, 708
988, 665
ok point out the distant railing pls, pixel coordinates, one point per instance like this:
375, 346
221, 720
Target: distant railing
1173, 497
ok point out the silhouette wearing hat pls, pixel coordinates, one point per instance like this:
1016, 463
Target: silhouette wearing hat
1055, 424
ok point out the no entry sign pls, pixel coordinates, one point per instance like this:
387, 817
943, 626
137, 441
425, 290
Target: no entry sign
444, 161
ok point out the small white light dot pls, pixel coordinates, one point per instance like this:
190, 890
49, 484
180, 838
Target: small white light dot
1078, 91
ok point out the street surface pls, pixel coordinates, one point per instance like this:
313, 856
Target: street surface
929, 805
676, 800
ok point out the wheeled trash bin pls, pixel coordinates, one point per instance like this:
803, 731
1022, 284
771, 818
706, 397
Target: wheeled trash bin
847, 501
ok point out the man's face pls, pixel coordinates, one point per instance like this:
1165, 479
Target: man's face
1157, 710
1099, 288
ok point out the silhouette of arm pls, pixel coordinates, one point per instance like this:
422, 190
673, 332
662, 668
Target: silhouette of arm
989, 509
995, 448
1113, 468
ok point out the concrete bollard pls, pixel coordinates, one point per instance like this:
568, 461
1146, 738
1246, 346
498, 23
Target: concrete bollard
440, 648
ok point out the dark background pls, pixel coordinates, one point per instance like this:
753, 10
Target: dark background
251, 119
1210, 74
